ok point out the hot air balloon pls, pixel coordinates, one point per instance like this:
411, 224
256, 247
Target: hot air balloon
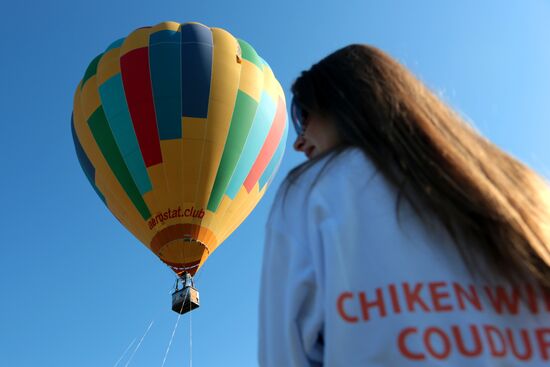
179, 129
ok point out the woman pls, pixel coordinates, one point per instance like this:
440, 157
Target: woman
407, 238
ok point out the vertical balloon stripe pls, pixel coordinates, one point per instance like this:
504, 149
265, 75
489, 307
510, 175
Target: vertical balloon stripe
256, 137
116, 198
115, 44
248, 53
165, 62
273, 165
226, 73
120, 122
241, 122
242, 205
85, 163
272, 87
270, 146
136, 79
91, 70
196, 69
105, 140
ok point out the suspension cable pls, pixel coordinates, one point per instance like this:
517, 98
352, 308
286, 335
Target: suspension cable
172, 337
125, 351
139, 344
190, 336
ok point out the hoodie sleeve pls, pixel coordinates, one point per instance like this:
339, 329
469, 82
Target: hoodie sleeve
291, 306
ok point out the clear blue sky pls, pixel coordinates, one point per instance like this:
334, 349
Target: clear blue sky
76, 289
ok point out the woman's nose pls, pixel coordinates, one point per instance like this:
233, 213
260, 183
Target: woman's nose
299, 143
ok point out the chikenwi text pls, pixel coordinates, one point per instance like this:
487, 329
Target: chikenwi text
421, 343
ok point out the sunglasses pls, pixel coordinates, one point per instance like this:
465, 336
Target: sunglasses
298, 115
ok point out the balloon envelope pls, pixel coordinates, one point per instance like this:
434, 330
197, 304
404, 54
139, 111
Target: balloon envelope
179, 129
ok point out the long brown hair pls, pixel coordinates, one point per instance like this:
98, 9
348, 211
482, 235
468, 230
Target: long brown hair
436, 160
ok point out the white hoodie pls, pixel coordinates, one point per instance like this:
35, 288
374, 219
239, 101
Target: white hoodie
344, 283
